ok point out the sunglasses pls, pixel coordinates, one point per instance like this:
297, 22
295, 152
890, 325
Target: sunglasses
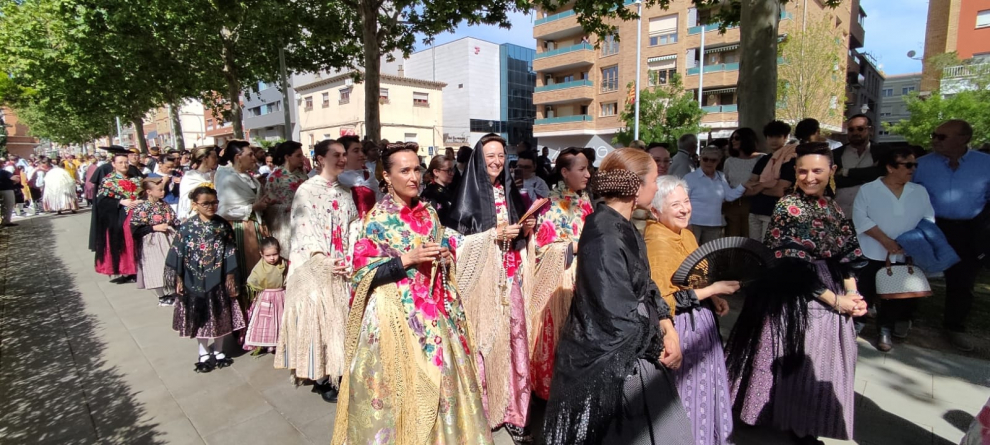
909, 165
709, 159
940, 136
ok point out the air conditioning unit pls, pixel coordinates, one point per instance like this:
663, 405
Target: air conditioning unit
348, 82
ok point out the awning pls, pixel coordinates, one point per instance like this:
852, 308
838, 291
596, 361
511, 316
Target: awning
721, 49
661, 58
721, 90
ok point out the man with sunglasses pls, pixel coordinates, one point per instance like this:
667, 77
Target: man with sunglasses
957, 182
856, 163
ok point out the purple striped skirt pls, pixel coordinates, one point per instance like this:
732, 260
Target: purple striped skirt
702, 382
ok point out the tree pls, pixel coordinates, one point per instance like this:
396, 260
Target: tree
810, 81
968, 103
666, 112
758, 22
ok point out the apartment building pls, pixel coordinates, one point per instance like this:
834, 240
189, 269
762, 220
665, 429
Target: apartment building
895, 89
17, 134
962, 26
580, 90
411, 110
489, 88
159, 129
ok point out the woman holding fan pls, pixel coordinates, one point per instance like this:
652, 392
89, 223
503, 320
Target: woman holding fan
701, 379
792, 353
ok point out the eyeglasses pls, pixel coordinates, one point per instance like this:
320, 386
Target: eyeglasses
908, 165
208, 203
709, 159
940, 136
857, 129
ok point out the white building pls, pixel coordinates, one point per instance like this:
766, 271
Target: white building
892, 108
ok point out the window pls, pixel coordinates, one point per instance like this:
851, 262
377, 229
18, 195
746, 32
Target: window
983, 18
610, 46
272, 107
610, 79
326, 100
907, 90
309, 102
884, 131
661, 71
262, 86
663, 30
610, 109
383, 95
256, 111
887, 92
885, 112
209, 124
421, 99
410, 137
345, 96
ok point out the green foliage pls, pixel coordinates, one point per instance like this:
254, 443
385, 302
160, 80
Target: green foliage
666, 112
809, 84
268, 144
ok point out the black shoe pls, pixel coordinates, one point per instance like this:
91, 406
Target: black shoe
208, 365
902, 328
885, 343
167, 300
330, 394
119, 279
961, 341
223, 362
124, 279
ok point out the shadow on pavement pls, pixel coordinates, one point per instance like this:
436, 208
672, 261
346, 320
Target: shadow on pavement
56, 387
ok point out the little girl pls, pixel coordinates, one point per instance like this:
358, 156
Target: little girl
153, 224
204, 259
267, 281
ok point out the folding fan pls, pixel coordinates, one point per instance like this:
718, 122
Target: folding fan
732, 258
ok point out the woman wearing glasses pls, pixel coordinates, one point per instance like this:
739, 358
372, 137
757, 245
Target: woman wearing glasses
883, 210
709, 189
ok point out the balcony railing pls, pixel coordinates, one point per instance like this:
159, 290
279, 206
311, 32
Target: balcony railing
951, 72
565, 50
563, 119
557, 16
721, 108
784, 15
564, 85
717, 67
730, 108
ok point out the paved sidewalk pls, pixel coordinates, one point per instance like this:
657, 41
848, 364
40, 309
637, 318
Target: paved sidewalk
84, 361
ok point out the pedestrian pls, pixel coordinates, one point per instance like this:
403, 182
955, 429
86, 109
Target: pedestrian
701, 380
660, 153
241, 205
59, 192
114, 242
324, 227
7, 198
531, 186
791, 356
487, 209
267, 284
857, 162
438, 192
957, 182
885, 209
356, 176
203, 260
686, 159
709, 190
543, 165
411, 327
612, 384
738, 168
153, 224
280, 188
204, 162
765, 186
558, 230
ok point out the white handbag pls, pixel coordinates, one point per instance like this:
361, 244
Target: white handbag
899, 281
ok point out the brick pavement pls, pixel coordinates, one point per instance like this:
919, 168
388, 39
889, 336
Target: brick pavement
84, 361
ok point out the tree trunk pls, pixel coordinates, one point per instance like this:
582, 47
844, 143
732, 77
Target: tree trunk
758, 63
174, 111
233, 89
372, 69
139, 130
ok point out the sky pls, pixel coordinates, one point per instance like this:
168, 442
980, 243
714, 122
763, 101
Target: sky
893, 27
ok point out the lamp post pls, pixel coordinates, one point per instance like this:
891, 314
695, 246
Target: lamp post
639, 61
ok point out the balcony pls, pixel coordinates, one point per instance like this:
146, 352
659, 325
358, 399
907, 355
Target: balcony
960, 77
564, 85
563, 119
784, 15
566, 92
555, 17
564, 59
721, 109
716, 68
557, 26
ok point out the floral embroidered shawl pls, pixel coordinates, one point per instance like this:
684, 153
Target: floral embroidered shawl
281, 185
563, 220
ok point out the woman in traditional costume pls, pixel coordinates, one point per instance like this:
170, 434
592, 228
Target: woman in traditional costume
792, 354
118, 193
153, 224
204, 159
60, 190
558, 230
280, 187
240, 204
492, 259
317, 291
357, 178
203, 260
611, 383
407, 324
701, 379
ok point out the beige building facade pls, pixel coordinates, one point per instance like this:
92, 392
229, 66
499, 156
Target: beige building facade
411, 110
580, 90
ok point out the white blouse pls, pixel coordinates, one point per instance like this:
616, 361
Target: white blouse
876, 206
237, 193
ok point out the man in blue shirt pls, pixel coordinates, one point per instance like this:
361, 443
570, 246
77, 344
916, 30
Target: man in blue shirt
957, 182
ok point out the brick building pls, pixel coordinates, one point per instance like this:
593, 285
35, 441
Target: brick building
962, 26
19, 139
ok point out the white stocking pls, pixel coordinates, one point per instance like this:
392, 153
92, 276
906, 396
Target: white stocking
204, 352
218, 347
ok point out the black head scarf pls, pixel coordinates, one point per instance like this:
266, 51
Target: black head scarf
474, 200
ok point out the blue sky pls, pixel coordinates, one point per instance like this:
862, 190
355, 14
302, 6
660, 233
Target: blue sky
892, 29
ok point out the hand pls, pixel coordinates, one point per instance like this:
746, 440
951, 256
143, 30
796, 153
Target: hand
163, 227
259, 206
445, 253
671, 356
341, 268
529, 225
133, 203
508, 232
179, 288
426, 252
892, 247
518, 181
721, 306
725, 287
852, 304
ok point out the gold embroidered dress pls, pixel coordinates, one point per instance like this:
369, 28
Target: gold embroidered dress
411, 377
